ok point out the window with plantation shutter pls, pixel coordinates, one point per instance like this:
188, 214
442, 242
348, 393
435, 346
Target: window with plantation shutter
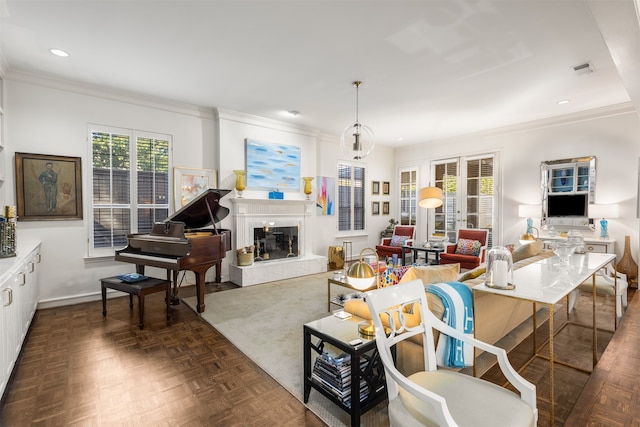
408, 197
351, 197
130, 185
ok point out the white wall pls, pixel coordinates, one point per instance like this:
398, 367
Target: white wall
47, 117
612, 137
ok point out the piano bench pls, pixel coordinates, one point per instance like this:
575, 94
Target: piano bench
140, 289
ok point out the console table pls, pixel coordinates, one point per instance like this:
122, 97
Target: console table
539, 283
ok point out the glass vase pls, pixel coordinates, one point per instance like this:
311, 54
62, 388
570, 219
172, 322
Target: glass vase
307, 186
241, 181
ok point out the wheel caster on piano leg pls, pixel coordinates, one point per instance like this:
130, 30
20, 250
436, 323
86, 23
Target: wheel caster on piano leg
175, 301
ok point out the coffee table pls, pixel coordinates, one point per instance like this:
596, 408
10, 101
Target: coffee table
539, 283
341, 281
427, 251
338, 333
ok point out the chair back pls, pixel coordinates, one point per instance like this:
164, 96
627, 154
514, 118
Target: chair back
401, 309
404, 230
479, 234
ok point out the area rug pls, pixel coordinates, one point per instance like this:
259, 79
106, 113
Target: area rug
265, 323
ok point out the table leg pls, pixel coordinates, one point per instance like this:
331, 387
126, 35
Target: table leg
551, 367
595, 329
104, 301
328, 295
307, 365
404, 260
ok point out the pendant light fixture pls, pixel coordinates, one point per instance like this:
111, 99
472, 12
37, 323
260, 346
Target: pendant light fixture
357, 139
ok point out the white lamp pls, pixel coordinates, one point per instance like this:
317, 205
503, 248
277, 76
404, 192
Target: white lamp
529, 211
430, 197
603, 211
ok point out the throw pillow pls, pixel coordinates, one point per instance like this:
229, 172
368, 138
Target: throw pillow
432, 273
473, 274
392, 276
527, 251
398, 240
468, 247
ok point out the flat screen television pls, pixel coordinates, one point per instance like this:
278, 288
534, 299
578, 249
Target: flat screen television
560, 205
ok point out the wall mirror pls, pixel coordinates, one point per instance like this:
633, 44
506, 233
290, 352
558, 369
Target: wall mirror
568, 187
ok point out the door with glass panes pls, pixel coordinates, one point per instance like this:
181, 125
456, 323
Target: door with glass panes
468, 195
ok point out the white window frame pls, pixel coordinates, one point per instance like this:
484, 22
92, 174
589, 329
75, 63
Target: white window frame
133, 205
350, 204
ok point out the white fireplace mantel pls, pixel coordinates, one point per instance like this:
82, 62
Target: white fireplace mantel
251, 213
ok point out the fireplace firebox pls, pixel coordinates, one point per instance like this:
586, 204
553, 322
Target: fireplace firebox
275, 243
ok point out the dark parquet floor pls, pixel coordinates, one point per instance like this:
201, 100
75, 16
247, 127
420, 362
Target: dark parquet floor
79, 369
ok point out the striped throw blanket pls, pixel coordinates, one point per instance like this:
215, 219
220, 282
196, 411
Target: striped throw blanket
457, 299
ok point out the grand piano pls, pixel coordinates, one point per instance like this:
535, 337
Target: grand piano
182, 243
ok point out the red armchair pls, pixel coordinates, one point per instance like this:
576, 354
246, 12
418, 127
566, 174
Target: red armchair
402, 235
473, 249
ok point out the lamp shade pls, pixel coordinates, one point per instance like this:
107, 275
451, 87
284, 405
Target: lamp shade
430, 197
603, 211
529, 211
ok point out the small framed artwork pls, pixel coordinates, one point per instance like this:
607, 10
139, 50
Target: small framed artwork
48, 187
385, 208
190, 183
375, 208
385, 188
375, 187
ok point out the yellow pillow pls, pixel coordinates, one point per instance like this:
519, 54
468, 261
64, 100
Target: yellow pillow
527, 251
472, 274
432, 273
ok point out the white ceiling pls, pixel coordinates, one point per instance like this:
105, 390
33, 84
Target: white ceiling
431, 69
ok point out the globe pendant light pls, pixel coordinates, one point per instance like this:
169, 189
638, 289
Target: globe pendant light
357, 139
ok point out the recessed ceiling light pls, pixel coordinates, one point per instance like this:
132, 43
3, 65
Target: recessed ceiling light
563, 101
59, 52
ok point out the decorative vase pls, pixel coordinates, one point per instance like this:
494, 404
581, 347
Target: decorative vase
627, 265
241, 182
307, 185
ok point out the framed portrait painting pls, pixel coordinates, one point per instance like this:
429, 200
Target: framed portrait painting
48, 187
190, 183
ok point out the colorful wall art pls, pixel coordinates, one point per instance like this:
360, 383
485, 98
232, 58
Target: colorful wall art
272, 166
325, 203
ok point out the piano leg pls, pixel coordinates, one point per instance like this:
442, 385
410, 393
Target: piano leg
174, 294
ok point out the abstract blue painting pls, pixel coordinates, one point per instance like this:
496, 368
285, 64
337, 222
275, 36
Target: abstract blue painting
272, 166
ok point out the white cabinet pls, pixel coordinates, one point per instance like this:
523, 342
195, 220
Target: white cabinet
19, 293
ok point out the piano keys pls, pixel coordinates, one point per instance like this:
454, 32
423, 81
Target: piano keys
182, 243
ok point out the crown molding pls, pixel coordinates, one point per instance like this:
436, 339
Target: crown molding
109, 94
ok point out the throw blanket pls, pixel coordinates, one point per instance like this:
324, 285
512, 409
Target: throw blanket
457, 299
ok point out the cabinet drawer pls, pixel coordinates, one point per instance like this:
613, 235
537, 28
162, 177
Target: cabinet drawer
596, 247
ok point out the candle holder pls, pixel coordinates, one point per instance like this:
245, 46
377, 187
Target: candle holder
499, 273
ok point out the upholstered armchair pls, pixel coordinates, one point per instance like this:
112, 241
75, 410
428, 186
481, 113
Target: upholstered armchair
402, 235
469, 250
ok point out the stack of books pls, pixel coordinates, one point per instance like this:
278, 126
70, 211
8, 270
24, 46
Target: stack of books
334, 374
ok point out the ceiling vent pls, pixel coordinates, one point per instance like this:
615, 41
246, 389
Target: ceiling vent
583, 69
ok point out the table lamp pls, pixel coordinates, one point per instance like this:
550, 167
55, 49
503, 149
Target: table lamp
361, 275
529, 211
603, 211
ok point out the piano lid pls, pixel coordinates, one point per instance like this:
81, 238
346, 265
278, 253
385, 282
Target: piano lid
198, 212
